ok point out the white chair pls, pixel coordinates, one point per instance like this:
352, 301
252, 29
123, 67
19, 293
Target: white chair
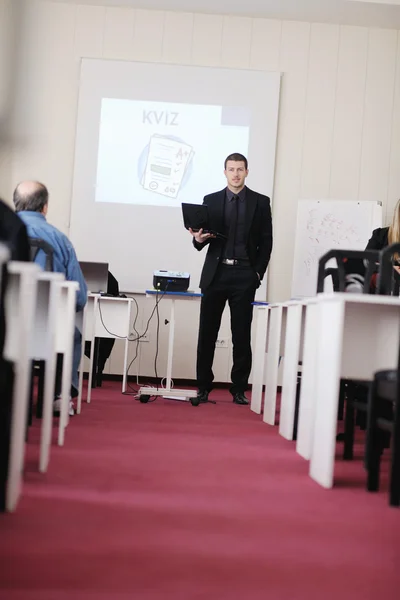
275, 349
43, 347
260, 357
64, 346
293, 353
81, 319
308, 377
20, 305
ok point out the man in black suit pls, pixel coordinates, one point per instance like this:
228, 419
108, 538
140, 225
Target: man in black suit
233, 270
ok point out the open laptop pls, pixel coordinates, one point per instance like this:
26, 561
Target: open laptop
96, 276
195, 216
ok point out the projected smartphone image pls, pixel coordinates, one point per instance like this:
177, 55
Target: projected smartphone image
164, 153
167, 165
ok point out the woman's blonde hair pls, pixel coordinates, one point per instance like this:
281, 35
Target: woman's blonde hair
394, 229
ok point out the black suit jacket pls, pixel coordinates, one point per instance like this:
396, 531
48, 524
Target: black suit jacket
258, 232
379, 239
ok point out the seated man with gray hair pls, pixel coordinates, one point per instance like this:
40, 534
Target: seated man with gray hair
31, 202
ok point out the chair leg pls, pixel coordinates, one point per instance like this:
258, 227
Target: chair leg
394, 493
39, 404
374, 460
95, 361
374, 464
297, 405
349, 428
361, 420
341, 399
30, 414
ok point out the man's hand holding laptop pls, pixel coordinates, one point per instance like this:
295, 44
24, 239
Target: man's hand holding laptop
201, 237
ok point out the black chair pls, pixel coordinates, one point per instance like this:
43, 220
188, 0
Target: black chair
356, 393
353, 395
348, 261
35, 246
383, 424
332, 272
388, 279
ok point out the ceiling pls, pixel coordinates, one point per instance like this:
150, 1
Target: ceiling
368, 13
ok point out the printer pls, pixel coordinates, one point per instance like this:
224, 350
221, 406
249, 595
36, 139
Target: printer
171, 281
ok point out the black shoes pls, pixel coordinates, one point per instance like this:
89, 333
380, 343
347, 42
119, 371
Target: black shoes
240, 398
201, 398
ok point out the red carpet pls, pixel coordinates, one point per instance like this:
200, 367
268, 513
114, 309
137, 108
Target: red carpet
165, 501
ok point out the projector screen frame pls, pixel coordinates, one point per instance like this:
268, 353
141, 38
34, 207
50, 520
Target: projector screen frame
129, 241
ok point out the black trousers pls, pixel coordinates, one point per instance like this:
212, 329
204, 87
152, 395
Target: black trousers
237, 285
105, 347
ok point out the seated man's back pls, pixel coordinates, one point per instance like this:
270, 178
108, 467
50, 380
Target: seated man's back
31, 203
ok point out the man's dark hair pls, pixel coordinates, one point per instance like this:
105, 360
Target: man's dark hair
35, 199
237, 157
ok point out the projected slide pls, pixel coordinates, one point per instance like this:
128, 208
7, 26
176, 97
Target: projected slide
160, 153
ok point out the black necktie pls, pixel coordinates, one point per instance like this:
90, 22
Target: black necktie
230, 245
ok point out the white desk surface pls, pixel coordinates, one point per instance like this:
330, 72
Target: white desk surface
359, 298
110, 298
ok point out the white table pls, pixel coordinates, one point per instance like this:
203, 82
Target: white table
357, 336
260, 355
104, 317
305, 426
275, 349
168, 392
20, 299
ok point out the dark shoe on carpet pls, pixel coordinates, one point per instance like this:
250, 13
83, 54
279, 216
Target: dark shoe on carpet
240, 398
201, 398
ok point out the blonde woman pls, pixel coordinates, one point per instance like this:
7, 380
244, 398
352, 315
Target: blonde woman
386, 236
381, 237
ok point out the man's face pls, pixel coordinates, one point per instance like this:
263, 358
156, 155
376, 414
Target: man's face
236, 174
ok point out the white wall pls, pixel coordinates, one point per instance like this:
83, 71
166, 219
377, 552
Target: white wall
9, 12
339, 130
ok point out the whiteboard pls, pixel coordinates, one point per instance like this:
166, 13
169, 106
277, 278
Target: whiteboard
324, 225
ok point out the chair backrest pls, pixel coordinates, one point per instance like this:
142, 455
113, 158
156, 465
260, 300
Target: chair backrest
37, 244
332, 272
363, 261
388, 278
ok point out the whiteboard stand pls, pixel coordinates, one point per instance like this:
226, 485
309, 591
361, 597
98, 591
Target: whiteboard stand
168, 392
